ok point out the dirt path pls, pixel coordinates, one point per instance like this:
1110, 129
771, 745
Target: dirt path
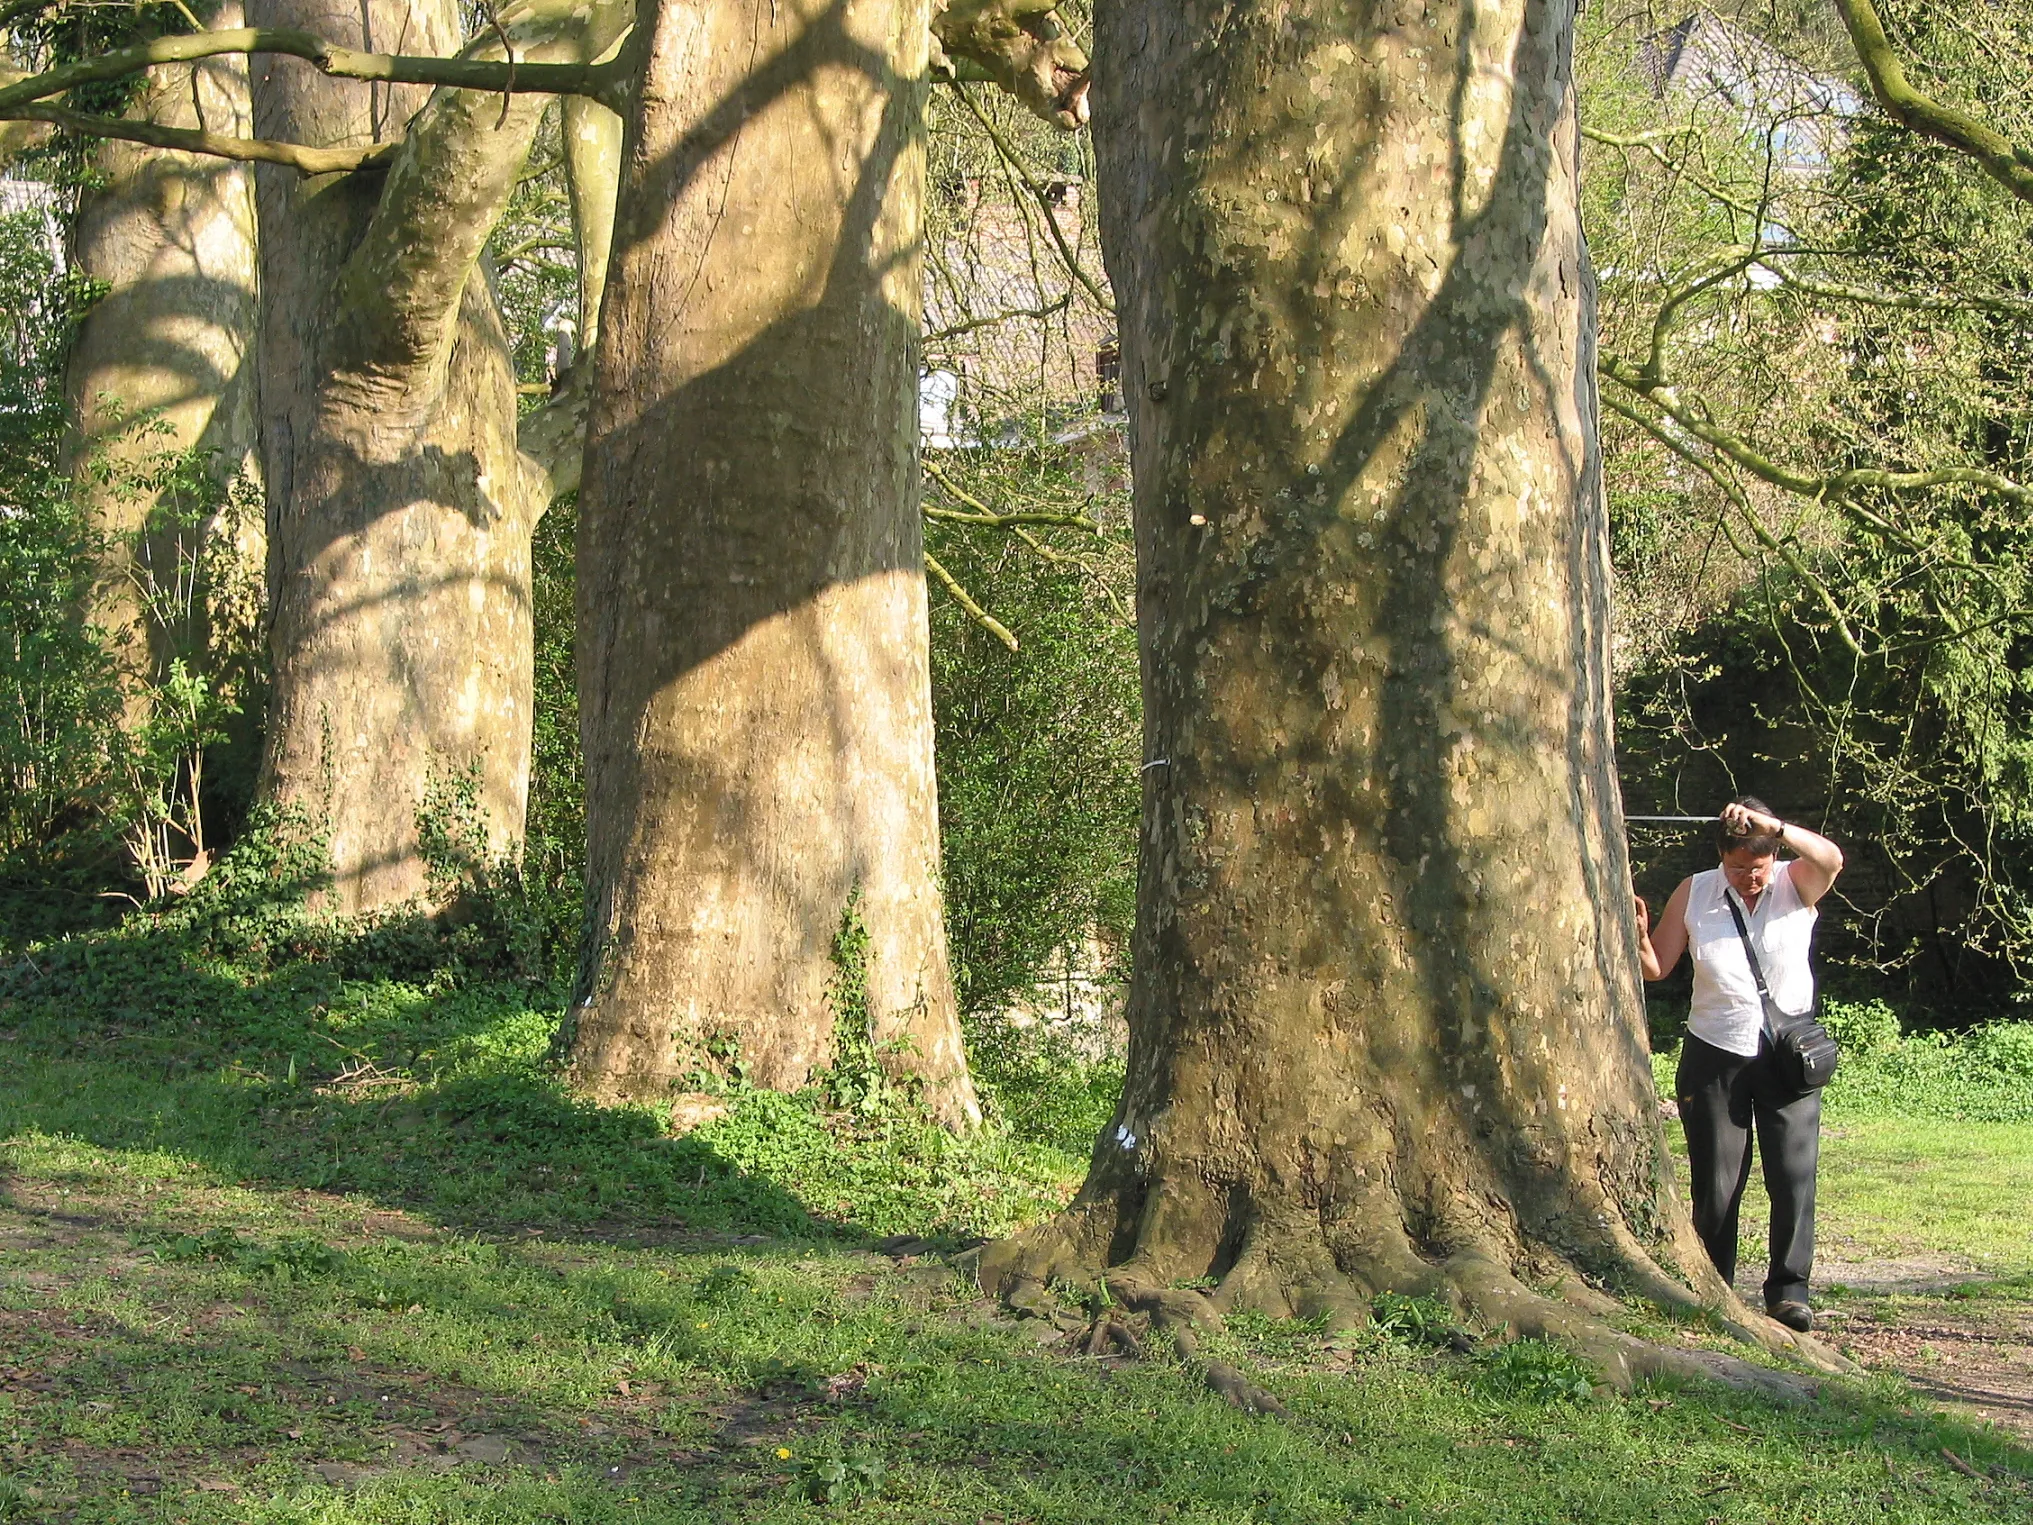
1965, 1341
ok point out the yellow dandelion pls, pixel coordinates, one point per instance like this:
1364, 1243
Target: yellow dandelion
783, 1453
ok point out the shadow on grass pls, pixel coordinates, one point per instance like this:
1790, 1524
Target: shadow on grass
438, 1098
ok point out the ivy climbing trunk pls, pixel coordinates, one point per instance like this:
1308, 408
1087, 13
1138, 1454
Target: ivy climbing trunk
1387, 1030
401, 498
754, 676
160, 382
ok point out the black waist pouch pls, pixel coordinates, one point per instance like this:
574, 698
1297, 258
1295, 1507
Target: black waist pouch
1806, 1054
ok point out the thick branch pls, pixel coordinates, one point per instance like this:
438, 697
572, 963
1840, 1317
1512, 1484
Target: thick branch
965, 600
605, 82
446, 189
2007, 163
190, 140
552, 438
1021, 46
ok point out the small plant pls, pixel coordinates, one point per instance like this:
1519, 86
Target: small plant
1536, 1371
857, 1081
1425, 1319
723, 1285
298, 1257
842, 1479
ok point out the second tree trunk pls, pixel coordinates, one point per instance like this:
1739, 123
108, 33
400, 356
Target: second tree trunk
754, 676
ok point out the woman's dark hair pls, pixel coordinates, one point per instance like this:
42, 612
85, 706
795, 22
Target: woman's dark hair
1760, 844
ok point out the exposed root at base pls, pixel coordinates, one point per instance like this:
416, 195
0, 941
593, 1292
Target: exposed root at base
1472, 1282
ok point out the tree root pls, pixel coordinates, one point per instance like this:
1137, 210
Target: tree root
1309, 1282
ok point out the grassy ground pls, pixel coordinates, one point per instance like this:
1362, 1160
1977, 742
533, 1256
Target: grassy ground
286, 1248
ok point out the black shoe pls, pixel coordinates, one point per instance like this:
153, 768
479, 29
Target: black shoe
1796, 1316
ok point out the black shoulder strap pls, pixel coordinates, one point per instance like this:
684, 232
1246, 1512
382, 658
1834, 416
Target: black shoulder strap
1751, 953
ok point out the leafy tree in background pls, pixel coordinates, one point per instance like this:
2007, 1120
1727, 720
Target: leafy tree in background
1814, 327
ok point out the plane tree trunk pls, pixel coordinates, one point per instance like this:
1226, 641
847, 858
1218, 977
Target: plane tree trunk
162, 371
1386, 1024
754, 675
401, 505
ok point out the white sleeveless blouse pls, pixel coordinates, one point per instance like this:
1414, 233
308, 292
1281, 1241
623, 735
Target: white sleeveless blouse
1726, 1011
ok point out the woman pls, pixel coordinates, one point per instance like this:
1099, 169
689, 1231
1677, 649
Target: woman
1729, 1077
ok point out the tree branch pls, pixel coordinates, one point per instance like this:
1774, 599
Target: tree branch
2005, 162
974, 611
606, 82
1021, 46
984, 515
189, 140
1030, 183
1910, 301
1037, 314
1831, 488
1735, 494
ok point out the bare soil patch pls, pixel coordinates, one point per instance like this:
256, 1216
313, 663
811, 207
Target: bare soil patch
1970, 1354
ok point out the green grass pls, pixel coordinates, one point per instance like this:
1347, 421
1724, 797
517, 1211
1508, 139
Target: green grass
1906, 1171
277, 1246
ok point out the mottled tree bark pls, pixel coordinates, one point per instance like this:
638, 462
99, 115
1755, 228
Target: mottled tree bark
163, 363
401, 506
754, 679
1387, 1030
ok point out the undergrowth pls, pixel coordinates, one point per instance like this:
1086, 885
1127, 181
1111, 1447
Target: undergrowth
1982, 1074
409, 1056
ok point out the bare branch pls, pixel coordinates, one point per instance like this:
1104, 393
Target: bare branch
1023, 173
2007, 163
607, 82
1037, 314
965, 600
1831, 488
307, 161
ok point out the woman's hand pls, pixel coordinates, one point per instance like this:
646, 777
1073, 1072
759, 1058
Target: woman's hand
1742, 821
1659, 952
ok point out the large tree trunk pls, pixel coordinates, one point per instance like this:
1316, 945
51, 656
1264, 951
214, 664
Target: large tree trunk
754, 678
1386, 1023
162, 367
401, 507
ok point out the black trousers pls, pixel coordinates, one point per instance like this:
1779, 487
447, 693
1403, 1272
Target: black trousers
1722, 1097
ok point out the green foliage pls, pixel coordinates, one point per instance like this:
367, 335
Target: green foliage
1982, 1075
297, 1255
842, 1479
856, 1080
1038, 749
1865, 1029
1535, 1371
1040, 1088
1412, 1318
79, 787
